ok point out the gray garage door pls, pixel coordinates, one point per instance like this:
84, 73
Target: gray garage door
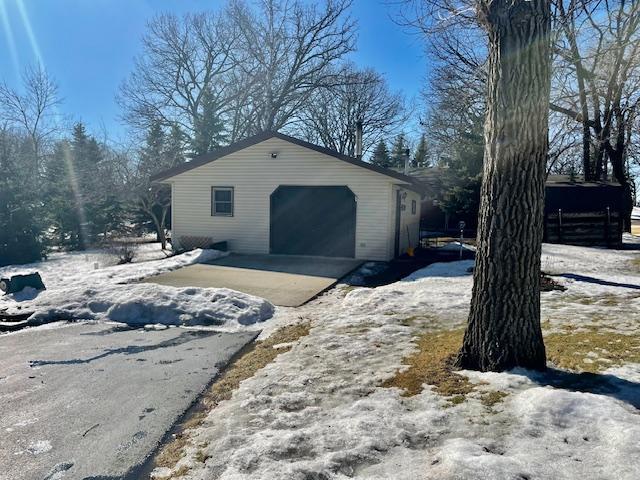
313, 221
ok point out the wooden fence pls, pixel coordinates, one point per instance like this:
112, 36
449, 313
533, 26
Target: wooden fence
602, 228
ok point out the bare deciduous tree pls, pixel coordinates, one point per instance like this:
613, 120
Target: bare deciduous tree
288, 50
504, 322
32, 110
329, 117
600, 45
182, 75
249, 69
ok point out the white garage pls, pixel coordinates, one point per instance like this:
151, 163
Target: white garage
273, 193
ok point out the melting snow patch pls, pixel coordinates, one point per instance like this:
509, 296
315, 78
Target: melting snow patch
41, 446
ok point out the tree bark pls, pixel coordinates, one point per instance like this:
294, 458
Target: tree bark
504, 330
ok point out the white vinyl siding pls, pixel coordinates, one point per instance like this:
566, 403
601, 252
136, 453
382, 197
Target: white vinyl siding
254, 175
409, 221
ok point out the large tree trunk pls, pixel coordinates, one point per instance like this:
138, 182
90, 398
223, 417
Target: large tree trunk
504, 322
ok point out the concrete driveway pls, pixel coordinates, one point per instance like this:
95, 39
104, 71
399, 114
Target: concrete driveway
284, 280
93, 401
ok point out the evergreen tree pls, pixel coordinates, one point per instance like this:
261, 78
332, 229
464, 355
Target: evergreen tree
175, 146
61, 194
420, 157
21, 224
151, 154
88, 185
209, 128
381, 157
82, 200
398, 152
153, 201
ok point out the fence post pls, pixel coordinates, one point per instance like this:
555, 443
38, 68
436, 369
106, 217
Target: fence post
607, 226
559, 225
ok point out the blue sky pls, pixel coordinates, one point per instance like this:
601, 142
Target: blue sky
88, 46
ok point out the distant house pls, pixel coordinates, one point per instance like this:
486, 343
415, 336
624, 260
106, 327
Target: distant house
583, 213
273, 193
437, 181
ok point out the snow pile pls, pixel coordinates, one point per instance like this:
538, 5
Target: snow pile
148, 303
77, 290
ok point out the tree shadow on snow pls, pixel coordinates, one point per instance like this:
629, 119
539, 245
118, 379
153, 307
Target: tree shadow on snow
596, 383
183, 338
597, 281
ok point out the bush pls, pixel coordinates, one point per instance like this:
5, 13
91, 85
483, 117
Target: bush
124, 250
21, 248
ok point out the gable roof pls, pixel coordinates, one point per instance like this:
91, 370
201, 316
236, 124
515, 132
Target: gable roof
261, 137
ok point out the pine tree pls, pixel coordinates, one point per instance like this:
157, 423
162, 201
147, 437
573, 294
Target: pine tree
61, 194
21, 207
174, 148
398, 152
160, 152
420, 157
209, 128
86, 156
381, 156
151, 159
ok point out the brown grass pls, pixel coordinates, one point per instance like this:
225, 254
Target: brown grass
433, 364
490, 399
569, 349
253, 358
605, 299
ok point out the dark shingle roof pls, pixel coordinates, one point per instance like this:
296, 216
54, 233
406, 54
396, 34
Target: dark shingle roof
261, 137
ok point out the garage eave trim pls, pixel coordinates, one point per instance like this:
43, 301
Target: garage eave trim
165, 176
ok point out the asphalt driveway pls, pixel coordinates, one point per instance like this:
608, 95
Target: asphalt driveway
93, 401
284, 280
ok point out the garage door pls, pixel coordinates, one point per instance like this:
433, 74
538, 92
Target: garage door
313, 221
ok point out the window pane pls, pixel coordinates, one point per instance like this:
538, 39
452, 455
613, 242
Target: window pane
223, 207
222, 195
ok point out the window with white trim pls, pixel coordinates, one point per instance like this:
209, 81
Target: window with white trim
222, 201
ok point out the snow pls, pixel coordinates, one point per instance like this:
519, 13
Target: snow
455, 247
141, 304
85, 286
318, 411
39, 447
67, 269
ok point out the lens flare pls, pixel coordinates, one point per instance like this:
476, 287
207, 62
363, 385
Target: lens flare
77, 196
26, 23
8, 33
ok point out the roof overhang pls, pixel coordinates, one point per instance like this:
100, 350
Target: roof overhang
165, 176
